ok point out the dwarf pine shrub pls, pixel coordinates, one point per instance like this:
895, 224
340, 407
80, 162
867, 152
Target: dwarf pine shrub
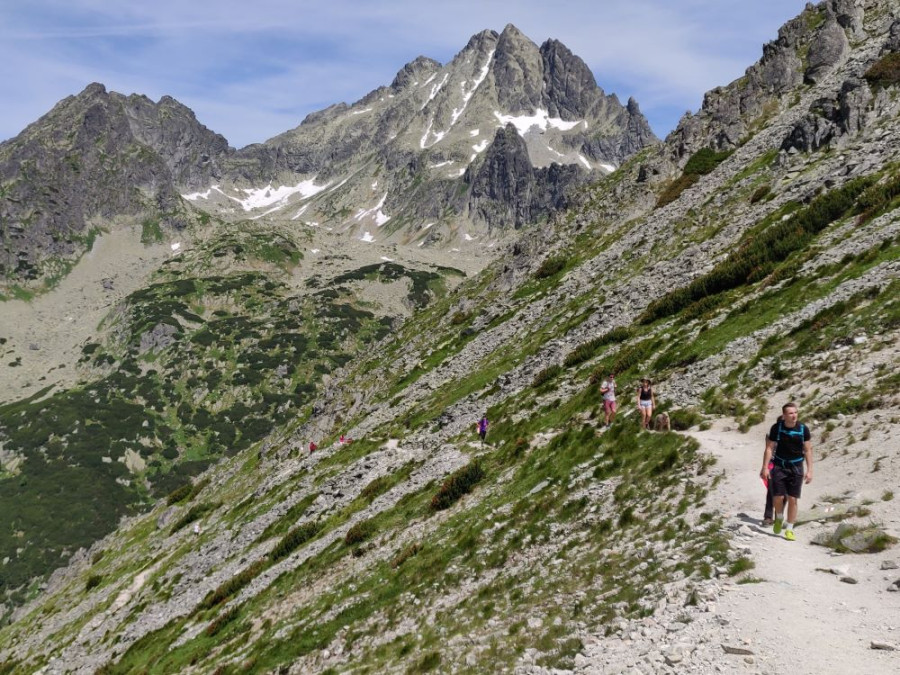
406, 554
550, 267
700, 163
231, 587
546, 375
760, 193
457, 484
586, 350
359, 532
885, 72
294, 539
756, 257
221, 621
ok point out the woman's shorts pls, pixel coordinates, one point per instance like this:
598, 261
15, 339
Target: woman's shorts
646, 404
609, 406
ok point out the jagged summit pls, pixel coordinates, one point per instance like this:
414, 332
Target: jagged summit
417, 70
95, 157
380, 169
435, 122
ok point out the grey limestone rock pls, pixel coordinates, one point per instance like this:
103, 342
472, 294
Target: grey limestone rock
826, 50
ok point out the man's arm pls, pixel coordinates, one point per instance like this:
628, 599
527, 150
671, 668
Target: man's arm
767, 457
808, 456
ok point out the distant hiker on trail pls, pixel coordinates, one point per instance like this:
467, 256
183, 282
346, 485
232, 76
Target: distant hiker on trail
608, 389
788, 446
646, 402
313, 447
483, 425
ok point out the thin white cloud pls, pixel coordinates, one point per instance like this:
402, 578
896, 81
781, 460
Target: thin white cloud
251, 72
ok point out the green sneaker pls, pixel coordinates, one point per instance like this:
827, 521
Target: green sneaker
776, 528
789, 535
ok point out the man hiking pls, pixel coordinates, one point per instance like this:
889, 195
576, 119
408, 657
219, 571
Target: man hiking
788, 447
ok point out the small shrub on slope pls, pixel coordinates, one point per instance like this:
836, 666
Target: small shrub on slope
885, 72
458, 484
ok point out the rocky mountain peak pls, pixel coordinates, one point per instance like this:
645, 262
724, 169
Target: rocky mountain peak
417, 70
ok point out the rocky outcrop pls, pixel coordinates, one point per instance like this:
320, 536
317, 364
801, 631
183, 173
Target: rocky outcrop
97, 155
830, 118
506, 189
826, 50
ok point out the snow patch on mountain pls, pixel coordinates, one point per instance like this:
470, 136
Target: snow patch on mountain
262, 197
435, 89
194, 196
540, 119
375, 212
301, 211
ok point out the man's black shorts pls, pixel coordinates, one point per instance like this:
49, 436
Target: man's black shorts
787, 480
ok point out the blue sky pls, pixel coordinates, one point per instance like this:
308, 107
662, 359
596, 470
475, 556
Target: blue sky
251, 70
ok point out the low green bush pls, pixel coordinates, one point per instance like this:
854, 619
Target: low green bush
885, 72
406, 554
457, 484
359, 532
294, 539
233, 586
586, 350
684, 418
550, 267
222, 621
760, 193
546, 375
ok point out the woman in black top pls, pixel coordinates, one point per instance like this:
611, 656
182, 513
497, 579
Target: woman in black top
646, 403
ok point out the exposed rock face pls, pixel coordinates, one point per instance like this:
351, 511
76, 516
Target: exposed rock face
507, 189
830, 118
97, 155
826, 50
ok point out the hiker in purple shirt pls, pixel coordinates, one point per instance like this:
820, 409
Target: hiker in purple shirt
483, 427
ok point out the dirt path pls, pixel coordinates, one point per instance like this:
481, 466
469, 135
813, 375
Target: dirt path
800, 618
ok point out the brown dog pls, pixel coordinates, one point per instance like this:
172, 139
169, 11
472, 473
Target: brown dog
661, 422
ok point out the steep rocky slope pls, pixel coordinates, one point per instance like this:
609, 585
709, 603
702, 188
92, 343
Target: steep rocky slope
733, 265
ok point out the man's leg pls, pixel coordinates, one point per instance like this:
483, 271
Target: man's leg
778, 506
792, 510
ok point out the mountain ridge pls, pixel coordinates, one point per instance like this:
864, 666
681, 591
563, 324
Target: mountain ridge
395, 135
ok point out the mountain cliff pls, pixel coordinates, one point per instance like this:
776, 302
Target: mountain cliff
750, 258
95, 159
